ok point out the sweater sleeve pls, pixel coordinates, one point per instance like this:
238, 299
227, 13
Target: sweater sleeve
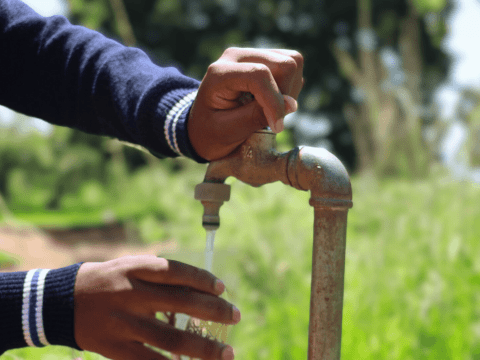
72, 76
37, 308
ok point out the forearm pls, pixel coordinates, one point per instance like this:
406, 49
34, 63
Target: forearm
37, 308
72, 76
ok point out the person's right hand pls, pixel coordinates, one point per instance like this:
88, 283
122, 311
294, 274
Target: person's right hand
243, 91
116, 302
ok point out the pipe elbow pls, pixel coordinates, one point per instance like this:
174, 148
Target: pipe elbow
322, 173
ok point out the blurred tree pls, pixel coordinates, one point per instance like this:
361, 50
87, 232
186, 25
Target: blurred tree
37, 171
394, 81
468, 112
374, 63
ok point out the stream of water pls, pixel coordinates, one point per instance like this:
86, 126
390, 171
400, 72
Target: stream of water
209, 250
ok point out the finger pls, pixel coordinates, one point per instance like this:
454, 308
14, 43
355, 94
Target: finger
249, 117
237, 78
187, 301
297, 83
281, 64
138, 351
291, 104
167, 337
171, 272
246, 120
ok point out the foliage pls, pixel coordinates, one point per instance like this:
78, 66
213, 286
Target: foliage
412, 269
468, 111
392, 79
36, 171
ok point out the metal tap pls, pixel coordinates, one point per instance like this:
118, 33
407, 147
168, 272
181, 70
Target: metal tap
257, 162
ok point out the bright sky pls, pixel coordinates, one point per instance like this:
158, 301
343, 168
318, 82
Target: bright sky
463, 43
48, 7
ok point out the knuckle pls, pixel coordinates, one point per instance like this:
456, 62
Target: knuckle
213, 69
298, 57
290, 64
230, 51
217, 70
259, 70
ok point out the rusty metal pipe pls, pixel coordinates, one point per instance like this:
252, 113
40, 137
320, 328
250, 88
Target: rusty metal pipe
257, 162
326, 296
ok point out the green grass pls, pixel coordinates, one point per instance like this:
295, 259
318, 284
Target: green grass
412, 285
413, 272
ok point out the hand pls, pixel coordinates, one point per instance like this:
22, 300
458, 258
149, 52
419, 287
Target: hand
116, 302
219, 120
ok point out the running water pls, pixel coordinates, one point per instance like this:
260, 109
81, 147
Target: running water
209, 250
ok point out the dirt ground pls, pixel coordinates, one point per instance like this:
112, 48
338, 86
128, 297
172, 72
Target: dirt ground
32, 248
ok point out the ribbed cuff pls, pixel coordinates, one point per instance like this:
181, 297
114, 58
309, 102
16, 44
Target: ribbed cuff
171, 131
11, 299
37, 308
183, 137
179, 103
58, 306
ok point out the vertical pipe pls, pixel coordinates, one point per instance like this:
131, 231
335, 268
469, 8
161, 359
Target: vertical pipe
328, 269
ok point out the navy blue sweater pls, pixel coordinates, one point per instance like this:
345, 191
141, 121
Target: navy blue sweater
72, 76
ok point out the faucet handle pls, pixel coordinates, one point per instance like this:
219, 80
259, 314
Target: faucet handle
212, 195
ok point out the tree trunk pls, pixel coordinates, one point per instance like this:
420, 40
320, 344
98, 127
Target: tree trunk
386, 127
124, 27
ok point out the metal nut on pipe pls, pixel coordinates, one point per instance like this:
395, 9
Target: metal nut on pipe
212, 195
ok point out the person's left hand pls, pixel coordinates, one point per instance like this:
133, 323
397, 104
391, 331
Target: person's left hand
220, 120
116, 304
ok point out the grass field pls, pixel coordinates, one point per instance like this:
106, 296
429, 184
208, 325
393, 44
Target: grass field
412, 288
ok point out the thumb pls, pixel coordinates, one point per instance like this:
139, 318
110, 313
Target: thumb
250, 117
239, 123
225, 130
232, 127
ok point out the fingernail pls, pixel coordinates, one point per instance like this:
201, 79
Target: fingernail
278, 126
236, 316
219, 286
227, 353
291, 104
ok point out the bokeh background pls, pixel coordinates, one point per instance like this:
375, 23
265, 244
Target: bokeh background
392, 88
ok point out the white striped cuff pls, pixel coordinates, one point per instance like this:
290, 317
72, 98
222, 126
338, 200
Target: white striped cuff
32, 308
172, 117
